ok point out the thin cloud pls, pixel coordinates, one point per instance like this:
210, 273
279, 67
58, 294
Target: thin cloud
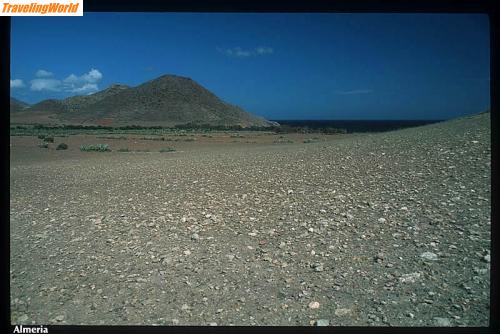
92, 76
262, 50
86, 89
17, 83
239, 52
84, 84
43, 74
353, 92
51, 85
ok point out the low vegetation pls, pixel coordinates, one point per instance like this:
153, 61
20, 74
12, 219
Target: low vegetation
311, 140
167, 149
62, 146
153, 138
158, 132
283, 141
95, 148
112, 137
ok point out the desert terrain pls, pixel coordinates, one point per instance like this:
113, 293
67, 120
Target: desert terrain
254, 228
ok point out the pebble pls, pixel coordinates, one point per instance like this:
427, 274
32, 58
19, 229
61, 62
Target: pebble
442, 322
313, 305
318, 267
381, 220
22, 318
429, 256
409, 278
195, 236
487, 258
59, 318
342, 311
187, 252
322, 322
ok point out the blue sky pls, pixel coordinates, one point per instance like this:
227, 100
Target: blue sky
280, 66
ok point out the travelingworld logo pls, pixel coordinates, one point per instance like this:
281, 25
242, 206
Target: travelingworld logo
41, 8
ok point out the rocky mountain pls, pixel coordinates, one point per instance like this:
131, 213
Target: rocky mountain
17, 105
165, 101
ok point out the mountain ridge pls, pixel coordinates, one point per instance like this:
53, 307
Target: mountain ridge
167, 100
17, 105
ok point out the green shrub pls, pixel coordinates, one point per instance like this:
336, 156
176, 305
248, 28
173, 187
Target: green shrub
152, 138
123, 150
167, 149
310, 140
96, 148
41, 136
283, 141
62, 146
44, 145
49, 139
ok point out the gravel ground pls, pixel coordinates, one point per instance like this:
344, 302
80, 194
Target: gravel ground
388, 229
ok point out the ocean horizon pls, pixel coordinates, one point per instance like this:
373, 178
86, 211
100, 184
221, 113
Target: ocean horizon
356, 125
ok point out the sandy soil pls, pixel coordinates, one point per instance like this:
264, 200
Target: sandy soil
389, 229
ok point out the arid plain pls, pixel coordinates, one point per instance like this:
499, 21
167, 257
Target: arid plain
387, 229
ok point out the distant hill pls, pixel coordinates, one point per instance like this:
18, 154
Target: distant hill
17, 105
76, 103
165, 101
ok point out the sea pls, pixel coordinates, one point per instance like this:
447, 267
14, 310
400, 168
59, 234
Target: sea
352, 126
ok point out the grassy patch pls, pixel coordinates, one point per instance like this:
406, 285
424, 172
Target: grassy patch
95, 148
123, 149
311, 140
284, 141
152, 138
167, 149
